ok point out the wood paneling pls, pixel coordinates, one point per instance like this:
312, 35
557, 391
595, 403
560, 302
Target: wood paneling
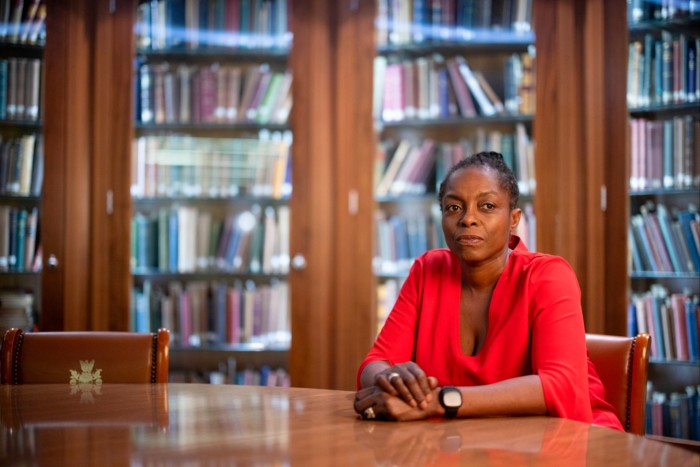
65, 210
312, 201
616, 167
581, 137
112, 117
355, 297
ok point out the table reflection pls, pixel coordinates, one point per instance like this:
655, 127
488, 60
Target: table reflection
479, 441
55, 426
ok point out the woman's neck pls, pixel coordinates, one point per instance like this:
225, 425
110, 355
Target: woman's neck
483, 277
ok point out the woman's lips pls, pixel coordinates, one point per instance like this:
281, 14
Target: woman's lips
469, 240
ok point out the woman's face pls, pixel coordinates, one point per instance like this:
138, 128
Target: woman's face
476, 217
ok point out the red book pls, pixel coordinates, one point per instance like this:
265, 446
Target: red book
464, 98
680, 325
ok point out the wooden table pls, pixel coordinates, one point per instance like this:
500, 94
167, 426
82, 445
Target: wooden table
246, 425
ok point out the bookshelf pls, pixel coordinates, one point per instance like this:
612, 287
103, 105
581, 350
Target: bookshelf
22, 37
211, 184
449, 80
664, 124
89, 126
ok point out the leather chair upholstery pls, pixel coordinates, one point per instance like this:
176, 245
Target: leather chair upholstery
621, 363
84, 357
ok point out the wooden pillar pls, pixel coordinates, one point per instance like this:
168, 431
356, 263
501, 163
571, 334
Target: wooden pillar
581, 157
112, 117
312, 205
65, 209
355, 298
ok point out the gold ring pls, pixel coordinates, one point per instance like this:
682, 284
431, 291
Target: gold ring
368, 414
392, 376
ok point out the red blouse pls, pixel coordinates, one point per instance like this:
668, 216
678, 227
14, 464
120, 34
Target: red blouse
535, 326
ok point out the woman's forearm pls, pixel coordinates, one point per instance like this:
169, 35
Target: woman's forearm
517, 396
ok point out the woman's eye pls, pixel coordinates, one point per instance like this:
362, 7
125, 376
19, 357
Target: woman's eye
451, 208
489, 206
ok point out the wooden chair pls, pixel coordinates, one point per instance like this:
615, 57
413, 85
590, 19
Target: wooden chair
621, 363
84, 357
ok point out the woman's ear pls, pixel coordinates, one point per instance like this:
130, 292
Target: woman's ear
515, 215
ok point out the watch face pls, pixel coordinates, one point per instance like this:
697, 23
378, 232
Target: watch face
452, 398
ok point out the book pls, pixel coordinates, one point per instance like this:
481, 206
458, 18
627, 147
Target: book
462, 94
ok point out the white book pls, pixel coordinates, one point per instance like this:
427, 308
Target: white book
475, 88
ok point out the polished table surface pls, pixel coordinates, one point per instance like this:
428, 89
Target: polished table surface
197, 424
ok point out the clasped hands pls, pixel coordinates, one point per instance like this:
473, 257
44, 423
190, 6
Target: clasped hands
401, 392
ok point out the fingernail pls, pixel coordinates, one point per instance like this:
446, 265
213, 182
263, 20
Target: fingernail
424, 405
429, 397
413, 403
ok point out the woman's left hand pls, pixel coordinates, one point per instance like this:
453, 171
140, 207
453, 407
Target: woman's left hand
372, 402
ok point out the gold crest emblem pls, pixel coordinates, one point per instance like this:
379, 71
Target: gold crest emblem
86, 374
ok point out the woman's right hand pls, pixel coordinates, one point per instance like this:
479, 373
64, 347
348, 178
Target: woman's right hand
407, 381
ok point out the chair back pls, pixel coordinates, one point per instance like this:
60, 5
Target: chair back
84, 357
621, 363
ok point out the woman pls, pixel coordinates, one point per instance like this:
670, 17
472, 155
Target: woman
484, 328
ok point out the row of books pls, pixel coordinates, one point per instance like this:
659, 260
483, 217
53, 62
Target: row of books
410, 167
187, 166
265, 376
20, 249
672, 321
185, 239
20, 84
195, 24
517, 149
675, 415
663, 70
432, 87
23, 21
169, 93
21, 165
416, 21
663, 241
659, 10
402, 237
665, 153
201, 314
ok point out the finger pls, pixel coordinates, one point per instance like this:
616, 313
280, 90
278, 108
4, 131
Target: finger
418, 384
382, 380
432, 382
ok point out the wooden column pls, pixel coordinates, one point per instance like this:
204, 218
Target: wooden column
558, 134
616, 162
312, 202
581, 150
355, 297
112, 117
65, 209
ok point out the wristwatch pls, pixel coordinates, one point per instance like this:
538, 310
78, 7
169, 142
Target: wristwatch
451, 400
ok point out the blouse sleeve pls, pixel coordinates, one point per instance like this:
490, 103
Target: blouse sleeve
395, 342
559, 340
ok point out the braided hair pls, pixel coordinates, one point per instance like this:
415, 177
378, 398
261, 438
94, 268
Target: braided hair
494, 161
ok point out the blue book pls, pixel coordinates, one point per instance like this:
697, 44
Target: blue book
691, 318
685, 218
694, 412
173, 241
665, 226
692, 71
632, 326
3, 89
420, 23
21, 238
